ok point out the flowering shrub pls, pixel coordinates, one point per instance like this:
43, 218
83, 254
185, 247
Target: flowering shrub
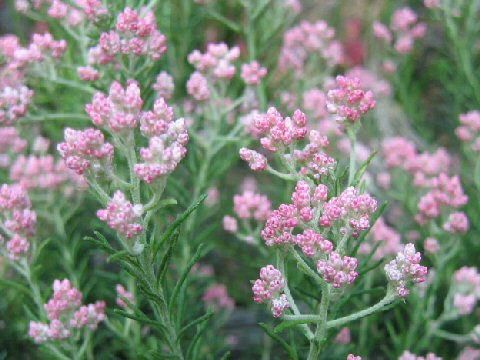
295, 180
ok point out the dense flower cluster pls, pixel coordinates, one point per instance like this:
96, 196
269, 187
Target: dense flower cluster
43, 172
250, 205
164, 85
84, 150
404, 29
13, 103
65, 314
466, 286
135, 33
216, 61
197, 87
118, 111
11, 144
338, 270
404, 269
469, 129
348, 101
306, 41
268, 289
122, 216
217, 297
252, 73
17, 220
167, 142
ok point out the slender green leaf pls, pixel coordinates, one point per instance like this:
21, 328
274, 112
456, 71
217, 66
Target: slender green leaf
195, 322
269, 331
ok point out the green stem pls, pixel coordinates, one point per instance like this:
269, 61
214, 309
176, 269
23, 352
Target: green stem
352, 135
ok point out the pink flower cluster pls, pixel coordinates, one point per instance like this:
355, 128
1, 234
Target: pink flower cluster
197, 87
251, 205
66, 314
268, 289
469, 129
216, 61
164, 86
445, 193
217, 297
135, 34
118, 111
354, 357
167, 142
252, 73
407, 355
121, 291
400, 152
13, 103
338, 270
350, 208
404, 27
404, 269
43, 46
315, 103
348, 101
389, 238
255, 160
10, 144
42, 172
122, 216
370, 80
84, 150
466, 286
308, 40
16, 219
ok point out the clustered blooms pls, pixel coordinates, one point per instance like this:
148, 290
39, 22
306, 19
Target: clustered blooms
122, 216
306, 41
407, 355
353, 357
430, 171
469, 129
118, 111
135, 34
268, 289
466, 287
389, 239
404, 269
251, 205
164, 85
338, 270
121, 291
197, 87
17, 220
10, 144
84, 150
66, 314
252, 73
343, 336
370, 80
167, 142
217, 297
216, 62
348, 101
404, 29
13, 103
42, 172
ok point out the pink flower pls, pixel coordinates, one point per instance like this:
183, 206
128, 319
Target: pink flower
250, 205
120, 110
404, 269
343, 336
124, 293
88, 73
338, 270
382, 32
268, 289
164, 85
122, 216
252, 73
216, 61
431, 245
197, 87
349, 102
353, 357
407, 355
217, 297
457, 223
466, 287
14, 103
66, 314
230, 224
256, 161
83, 150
